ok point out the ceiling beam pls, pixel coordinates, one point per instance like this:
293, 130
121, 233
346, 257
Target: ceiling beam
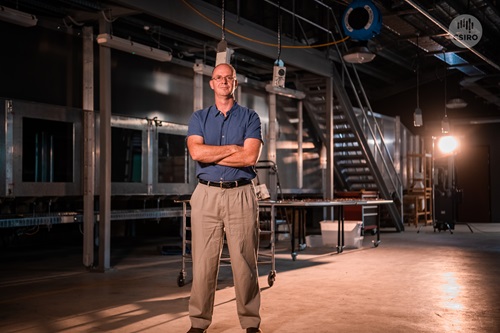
253, 37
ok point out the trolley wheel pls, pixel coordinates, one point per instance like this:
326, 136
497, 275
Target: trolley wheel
181, 279
271, 278
376, 243
294, 256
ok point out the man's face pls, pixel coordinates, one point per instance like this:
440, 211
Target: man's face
223, 81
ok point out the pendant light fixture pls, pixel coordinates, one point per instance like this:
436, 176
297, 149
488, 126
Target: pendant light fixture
358, 55
279, 69
456, 102
417, 115
224, 53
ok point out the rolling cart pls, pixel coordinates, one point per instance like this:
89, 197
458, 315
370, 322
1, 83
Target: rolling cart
264, 257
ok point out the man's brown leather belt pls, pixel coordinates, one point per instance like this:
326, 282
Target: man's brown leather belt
236, 183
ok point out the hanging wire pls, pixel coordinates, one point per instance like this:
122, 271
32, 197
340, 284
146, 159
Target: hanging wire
157, 30
279, 30
417, 115
223, 21
261, 42
110, 19
445, 88
72, 21
445, 123
418, 72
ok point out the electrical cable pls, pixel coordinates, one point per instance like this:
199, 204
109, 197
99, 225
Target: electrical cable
445, 79
223, 21
279, 31
261, 42
418, 72
109, 20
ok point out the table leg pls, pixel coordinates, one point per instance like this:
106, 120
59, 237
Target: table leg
340, 236
302, 229
292, 233
377, 242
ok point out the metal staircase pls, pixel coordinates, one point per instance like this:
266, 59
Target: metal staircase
361, 159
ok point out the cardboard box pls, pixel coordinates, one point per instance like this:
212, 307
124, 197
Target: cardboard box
352, 233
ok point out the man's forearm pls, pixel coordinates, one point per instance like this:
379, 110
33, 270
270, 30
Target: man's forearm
212, 154
247, 155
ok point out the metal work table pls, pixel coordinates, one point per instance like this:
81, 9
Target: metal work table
339, 204
297, 204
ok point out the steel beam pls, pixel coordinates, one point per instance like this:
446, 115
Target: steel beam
198, 16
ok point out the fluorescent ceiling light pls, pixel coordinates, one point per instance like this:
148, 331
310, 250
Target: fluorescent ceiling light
270, 88
129, 46
359, 55
16, 17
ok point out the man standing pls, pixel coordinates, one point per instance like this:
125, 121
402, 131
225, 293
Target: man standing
225, 140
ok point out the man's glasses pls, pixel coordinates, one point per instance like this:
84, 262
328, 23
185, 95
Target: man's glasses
220, 78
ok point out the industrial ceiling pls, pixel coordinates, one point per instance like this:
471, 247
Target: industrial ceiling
308, 36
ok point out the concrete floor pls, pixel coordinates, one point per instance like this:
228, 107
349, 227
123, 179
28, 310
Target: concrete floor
412, 282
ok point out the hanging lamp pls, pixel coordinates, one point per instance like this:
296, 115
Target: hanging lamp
417, 115
456, 102
279, 69
223, 52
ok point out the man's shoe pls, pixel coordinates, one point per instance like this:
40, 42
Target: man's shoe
198, 330
253, 330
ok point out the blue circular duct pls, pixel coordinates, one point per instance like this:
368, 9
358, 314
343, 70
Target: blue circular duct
361, 20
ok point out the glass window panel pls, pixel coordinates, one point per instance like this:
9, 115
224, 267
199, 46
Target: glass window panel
126, 155
47, 154
172, 158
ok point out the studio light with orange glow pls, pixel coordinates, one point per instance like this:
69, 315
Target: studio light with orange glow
448, 144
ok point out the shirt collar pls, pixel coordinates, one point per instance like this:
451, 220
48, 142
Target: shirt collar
217, 112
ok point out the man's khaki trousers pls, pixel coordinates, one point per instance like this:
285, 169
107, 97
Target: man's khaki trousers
234, 212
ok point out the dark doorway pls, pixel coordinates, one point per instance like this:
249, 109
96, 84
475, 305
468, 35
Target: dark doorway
473, 177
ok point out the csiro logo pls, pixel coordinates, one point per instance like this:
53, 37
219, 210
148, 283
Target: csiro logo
467, 30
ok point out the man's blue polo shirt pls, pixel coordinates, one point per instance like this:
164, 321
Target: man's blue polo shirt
239, 124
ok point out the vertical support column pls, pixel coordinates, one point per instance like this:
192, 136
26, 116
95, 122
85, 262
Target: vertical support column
397, 162
198, 69
397, 145
9, 148
330, 167
88, 147
271, 149
300, 150
237, 93
105, 152
433, 179
151, 167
